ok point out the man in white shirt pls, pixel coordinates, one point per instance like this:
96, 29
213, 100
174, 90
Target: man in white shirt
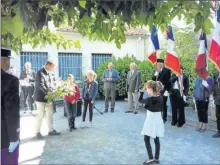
179, 91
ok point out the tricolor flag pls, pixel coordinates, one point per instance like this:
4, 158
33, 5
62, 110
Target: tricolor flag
153, 46
172, 59
201, 62
214, 54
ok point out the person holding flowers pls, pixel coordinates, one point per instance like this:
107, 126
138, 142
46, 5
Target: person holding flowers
70, 101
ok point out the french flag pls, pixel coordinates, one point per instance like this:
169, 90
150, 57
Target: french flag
153, 46
214, 53
201, 62
172, 59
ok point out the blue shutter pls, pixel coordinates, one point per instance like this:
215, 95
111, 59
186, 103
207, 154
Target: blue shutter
98, 59
37, 59
70, 63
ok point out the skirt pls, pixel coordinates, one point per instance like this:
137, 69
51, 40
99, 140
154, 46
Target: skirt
153, 125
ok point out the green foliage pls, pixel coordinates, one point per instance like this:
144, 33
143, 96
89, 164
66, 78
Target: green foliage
103, 20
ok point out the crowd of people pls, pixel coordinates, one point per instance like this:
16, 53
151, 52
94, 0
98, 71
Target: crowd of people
36, 85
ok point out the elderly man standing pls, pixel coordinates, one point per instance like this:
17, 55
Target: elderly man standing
44, 84
10, 116
28, 78
110, 78
132, 86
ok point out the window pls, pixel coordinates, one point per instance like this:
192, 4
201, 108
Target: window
70, 63
98, 59
37, 59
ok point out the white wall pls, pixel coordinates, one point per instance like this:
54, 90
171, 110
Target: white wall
89, 47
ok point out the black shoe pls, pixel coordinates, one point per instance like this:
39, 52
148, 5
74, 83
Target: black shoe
178, 125
112, 111
106, 111
54, 132
156, 161
135, 112
128, 111
173, 124
164, 121
217, 135
74, 127
39, 136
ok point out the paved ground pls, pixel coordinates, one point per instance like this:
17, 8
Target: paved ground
114, 139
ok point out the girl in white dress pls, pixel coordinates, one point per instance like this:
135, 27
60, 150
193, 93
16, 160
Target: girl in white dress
153, 126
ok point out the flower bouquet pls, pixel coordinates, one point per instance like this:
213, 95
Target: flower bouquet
59, 92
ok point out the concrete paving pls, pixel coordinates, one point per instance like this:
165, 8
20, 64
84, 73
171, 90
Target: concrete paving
114, 138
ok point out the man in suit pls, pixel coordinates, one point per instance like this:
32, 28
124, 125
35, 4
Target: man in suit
132, 86
163, 75
10, 116
28, 78
216, 94
110, 78
178, 93
44, 83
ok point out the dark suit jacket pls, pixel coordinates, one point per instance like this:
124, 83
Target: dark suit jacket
164, 77
216, 91
32, 75
44, 83
10, 114
93, 91
185, 83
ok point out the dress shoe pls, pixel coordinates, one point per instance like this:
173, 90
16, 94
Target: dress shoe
128, 111
53, 133
74, 128
217, 135
173, 124
135, 112
178, 125
39, 136
112, 111
156, 161
106, 111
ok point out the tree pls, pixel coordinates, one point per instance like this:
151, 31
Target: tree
104, 20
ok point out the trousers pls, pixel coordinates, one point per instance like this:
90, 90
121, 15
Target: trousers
71, 113
86, 104
202, 110
9, 158
149, 149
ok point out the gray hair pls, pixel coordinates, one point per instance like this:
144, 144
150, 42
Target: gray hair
27, 63
110, 64
133, 64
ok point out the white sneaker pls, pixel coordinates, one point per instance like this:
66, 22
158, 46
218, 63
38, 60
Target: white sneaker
89, 124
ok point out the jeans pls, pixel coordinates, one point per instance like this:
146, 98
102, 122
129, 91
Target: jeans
149, 149
71, 113
86, 103
218, 117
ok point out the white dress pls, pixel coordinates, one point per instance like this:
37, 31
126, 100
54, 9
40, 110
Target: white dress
153, 125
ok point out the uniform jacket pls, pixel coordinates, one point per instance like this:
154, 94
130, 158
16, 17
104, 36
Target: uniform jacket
216, 91
110, 84
163, 77
174, 78
44, 83
93, 90
133, 81
10, 114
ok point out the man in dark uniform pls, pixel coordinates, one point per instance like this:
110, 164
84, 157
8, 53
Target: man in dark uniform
178, 94
163, 75
10, 117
